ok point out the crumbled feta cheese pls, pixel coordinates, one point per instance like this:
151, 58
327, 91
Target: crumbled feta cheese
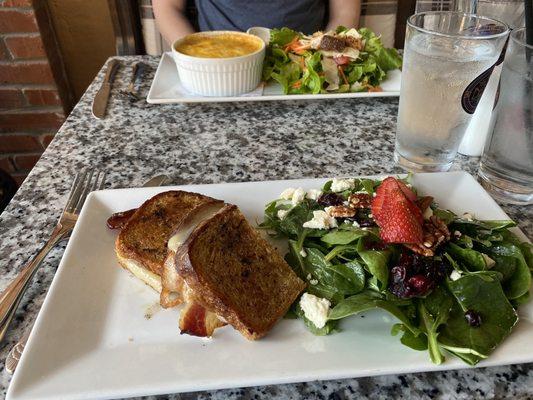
370, 216
315, 309
374, 194
457, 234
321, 220
428, 213
489, 262
308, 277
313, 194
287, 194
468, 217
455, 275
303, 253
346, 203
313, 282
282, 213
298, 196
340, 185
356, 224
365, 228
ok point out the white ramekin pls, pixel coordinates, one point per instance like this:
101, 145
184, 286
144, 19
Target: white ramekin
220, 76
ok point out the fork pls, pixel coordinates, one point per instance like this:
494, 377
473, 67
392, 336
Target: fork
130, 93
84, 183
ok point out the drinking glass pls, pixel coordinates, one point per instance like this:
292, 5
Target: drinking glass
448, 60
506, 167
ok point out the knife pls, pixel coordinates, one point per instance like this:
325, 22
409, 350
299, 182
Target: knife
101, 98
15, 353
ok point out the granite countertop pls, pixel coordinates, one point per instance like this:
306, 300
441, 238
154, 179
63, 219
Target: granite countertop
227, 142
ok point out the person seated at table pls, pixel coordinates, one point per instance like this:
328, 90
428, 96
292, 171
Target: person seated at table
305, 16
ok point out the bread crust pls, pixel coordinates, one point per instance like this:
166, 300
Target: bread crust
250, 286
144, 237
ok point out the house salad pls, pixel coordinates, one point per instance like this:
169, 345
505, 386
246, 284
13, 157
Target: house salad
340, 61
453, 282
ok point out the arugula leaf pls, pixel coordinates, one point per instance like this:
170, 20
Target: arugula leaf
339, 279
482, 293
444, 215
434, 311
473, 259
376, 262
365, 301
519, 282
416, 342
342, 236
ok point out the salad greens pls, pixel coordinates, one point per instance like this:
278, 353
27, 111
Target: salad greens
486, 272
356, 61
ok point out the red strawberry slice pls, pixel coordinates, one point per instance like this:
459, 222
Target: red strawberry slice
387, 186
399, 218
406, 190
400, 224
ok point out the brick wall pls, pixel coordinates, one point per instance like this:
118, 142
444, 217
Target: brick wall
32, 93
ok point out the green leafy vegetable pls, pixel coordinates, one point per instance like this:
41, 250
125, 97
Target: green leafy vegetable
351, 266
483, 294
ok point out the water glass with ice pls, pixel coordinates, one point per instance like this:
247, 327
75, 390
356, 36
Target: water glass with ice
506, 167
448, 60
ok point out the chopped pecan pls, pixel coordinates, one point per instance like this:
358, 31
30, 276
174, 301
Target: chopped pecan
424, 202
341, 211
435, 233
354, 42
360, 200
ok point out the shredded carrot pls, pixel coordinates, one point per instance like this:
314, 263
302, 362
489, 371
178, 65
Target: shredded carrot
374, 88
289, 45
302, 62
297, 84
341, 73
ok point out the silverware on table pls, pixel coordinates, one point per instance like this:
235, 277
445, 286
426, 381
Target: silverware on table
15, 353
10, 298
137, 71
101, 98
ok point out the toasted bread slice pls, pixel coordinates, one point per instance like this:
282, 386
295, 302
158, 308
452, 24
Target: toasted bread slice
172, 284
229, 269
141, 246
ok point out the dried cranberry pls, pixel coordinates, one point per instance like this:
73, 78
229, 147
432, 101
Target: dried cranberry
416, 275
330, 199
398, 273
419, 283
473, 318
362, 218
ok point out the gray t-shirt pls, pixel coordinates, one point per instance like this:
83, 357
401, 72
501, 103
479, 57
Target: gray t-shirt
305, 16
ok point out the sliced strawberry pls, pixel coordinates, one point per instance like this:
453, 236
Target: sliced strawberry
398, 216
405, 189
384, 189
400, 225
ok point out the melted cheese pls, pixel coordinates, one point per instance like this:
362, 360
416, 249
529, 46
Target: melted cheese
184, 231
141, 273
225, 45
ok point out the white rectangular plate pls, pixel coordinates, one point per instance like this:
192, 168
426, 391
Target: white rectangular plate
167, 88
92, 340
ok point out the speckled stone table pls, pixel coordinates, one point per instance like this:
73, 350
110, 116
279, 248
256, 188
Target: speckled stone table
227, 143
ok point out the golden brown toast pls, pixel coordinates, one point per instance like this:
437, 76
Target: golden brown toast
141, 245
229, 269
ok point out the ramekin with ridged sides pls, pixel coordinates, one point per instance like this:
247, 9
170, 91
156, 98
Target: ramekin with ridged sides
220, 76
